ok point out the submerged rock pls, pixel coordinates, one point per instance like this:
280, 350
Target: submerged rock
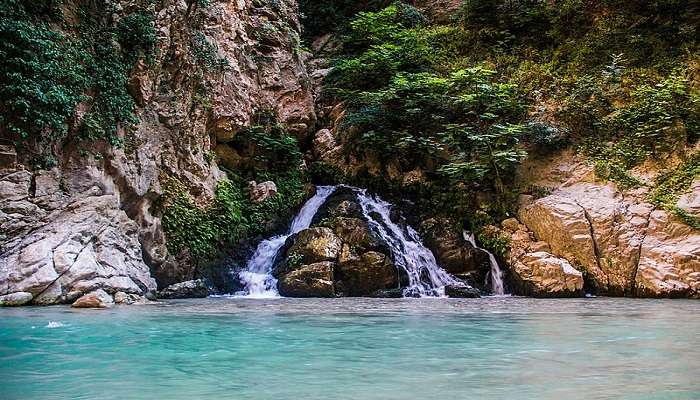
461, 292
185, 290
96, 299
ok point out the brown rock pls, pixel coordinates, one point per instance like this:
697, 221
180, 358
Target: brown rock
96, 299
313, 280
366, 274
542, 274
228, 156
315, 245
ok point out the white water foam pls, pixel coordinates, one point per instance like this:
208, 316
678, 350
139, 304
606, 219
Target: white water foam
257, 277
496, 274
426, 278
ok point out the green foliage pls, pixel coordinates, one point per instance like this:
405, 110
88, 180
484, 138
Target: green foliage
42, 76
231, 215
46, 74
674, 183
321, 17
137, 35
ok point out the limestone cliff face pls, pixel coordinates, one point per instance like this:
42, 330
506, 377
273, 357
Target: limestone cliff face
90, 223
622, 244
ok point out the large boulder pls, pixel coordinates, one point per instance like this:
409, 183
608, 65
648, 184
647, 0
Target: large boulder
542, 274
315, 245
16, 299
259, 192
669, 260
96, 299
362, 275
622, 244
314, 280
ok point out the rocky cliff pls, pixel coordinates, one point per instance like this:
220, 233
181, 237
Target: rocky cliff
621, 243
93, 222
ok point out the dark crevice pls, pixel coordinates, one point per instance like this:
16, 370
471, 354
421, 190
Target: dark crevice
591, 230
645, 230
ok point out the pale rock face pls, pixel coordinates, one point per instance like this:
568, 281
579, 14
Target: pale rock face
537, 272
620, 241
259, 192
88, 245
90, 224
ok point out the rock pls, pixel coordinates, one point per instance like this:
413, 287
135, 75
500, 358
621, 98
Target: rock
262, 191
366, 274
394, 293
461, 291
96, 299
8, 156
228, 156
690, 201
16, 299
620, 242
314, 280
185, 290
542, 274
353, 231
315, 245
88, 246
669, 260
511, 224
453, 253
127, 298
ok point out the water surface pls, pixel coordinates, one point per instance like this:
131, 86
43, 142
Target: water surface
222, 348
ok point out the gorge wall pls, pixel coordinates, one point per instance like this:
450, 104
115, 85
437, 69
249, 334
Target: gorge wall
91, 222
93, 218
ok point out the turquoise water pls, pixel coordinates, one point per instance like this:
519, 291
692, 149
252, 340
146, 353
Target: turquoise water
495, 348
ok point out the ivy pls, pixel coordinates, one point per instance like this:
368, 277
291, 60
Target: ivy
670, 185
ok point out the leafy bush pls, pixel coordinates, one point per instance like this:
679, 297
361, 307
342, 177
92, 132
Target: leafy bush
674, 183
46, 74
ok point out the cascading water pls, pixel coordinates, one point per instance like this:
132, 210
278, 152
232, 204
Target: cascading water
407, 250
257, 277
495, 274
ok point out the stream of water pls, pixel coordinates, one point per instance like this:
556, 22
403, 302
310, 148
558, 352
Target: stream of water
355, 348
495, 275
257, 278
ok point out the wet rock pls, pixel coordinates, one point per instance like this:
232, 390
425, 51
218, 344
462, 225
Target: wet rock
461, 291
394, 293
353, 231
127, 298
313, 280
96, 299
365, 274
185, 290
16, 299
453, 253
315, 245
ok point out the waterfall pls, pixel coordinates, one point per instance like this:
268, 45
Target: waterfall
257, 277
495, 274
426, 278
